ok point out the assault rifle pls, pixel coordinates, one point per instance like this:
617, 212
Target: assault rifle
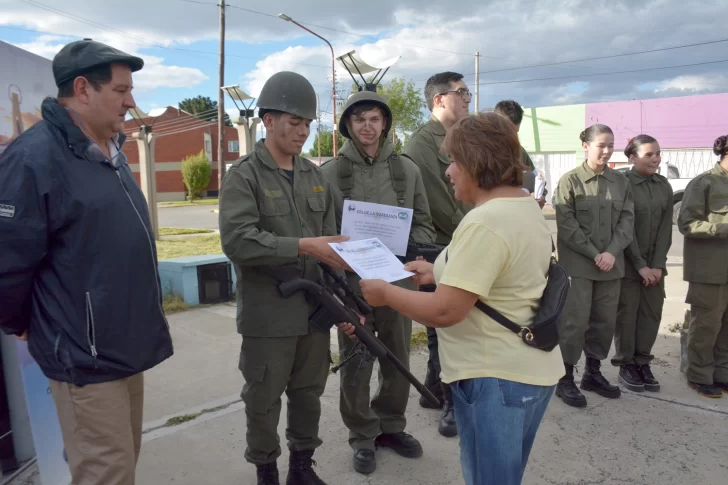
427, 251
333, 310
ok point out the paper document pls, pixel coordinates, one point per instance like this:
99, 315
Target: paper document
371, 260
390, 224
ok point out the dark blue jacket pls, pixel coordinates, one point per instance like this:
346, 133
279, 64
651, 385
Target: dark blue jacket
78, 262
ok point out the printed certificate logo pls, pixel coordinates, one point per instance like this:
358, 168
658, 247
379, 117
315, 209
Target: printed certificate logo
352, 208
403, 216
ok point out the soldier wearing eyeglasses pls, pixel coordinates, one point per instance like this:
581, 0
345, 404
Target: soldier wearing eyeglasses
448, 98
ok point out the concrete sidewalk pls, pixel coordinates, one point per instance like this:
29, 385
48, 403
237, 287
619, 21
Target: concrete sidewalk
671, 437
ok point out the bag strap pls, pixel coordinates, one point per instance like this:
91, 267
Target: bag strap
495, 314
399, 179
345, 169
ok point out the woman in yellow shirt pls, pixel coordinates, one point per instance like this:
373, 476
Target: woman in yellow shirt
500, 254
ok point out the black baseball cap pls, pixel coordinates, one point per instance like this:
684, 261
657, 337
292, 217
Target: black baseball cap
81, 56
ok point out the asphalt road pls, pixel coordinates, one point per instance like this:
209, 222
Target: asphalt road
203, 217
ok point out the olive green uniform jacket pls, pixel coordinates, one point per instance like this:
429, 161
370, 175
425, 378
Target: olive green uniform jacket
262, 218
424, 148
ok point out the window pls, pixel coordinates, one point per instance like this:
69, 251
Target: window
234, 146
208, 145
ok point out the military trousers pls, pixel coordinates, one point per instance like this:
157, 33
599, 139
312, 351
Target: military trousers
588, 320
385, 412
298, 366
708, 333
638, 320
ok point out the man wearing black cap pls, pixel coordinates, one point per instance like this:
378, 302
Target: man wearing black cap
78, 263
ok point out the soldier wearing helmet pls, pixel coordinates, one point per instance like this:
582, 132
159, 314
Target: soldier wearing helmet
368, 169
277, 209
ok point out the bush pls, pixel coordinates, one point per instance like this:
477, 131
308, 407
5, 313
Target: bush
196, 173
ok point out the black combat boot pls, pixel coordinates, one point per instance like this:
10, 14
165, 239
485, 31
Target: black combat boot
567, 390
648, 378
268, 474
365, 461
631, 378
594, 381
300, 471
401, 443
447, 426
432, 383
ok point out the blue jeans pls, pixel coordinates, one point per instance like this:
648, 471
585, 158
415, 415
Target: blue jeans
497, 422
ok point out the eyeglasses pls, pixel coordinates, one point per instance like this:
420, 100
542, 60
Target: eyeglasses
464, 93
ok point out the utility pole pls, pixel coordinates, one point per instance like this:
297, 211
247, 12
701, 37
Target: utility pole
318, 126
221, 103
477, 81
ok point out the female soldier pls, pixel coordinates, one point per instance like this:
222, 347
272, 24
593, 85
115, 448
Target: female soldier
643, 286
594, 219
703, 220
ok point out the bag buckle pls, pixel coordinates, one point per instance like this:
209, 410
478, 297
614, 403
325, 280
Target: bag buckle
529, 334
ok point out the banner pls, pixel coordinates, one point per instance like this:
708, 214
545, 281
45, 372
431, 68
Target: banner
44, 425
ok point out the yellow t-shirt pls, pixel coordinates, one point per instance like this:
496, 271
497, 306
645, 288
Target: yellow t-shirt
501, 251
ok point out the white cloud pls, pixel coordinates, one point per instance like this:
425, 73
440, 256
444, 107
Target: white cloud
155, 74
428, 35
694, 84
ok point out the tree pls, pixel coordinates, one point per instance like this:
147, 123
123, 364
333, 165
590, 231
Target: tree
327, 144
202, 107
196, 173
406, 103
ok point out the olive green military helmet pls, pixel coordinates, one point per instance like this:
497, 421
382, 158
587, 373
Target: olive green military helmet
364, 97
289, 92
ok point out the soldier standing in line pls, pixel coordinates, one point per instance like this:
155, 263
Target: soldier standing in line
448, 98
368, 169
514, 112
642, 293
703, 220
595, 222
277, 209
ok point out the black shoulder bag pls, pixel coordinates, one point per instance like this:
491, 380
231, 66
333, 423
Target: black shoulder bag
543, 333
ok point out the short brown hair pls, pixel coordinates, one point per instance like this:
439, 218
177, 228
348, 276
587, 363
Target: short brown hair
486, 146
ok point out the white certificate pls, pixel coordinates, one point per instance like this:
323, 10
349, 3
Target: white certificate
371, 260
390, 224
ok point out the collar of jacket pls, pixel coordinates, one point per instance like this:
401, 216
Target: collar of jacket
352, 152
719, 170
586, 173
435, 126
262, 151
637, 178
56, 115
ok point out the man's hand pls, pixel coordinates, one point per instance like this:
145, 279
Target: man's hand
349, 329
319, 248
374, 291
23, 337
657, 272
648, 276
423, 271
541, 202
605, 261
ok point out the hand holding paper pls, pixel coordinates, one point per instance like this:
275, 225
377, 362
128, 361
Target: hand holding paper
371, 260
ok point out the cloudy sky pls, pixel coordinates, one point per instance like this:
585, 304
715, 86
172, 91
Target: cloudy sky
525, 45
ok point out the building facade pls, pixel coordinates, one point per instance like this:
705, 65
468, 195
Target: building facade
685, 127
179, 135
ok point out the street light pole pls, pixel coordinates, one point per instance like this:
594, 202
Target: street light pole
333, 72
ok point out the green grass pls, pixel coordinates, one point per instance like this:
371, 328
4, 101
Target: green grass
174, 304
176, 231
181, 419
194, 246
187, 203
419, 338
